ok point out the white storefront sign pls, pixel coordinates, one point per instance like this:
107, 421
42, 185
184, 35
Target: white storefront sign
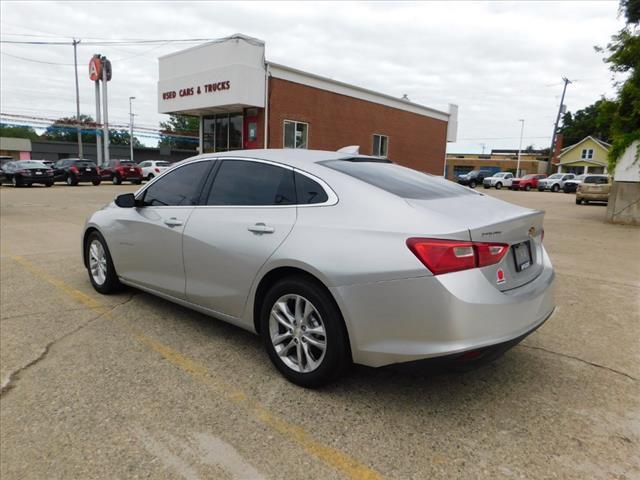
222, 75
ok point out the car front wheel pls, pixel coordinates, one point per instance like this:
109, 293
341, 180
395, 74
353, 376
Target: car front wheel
303, 332
15, 182
555, 188
472, 184
100, 266
498, 186
527, 187
116, 180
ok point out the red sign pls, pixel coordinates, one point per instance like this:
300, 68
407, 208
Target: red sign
95, 68
206, 88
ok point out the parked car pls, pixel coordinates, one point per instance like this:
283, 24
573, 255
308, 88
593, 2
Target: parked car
331, 258
73, 171
570, 186
527, 182
594, 188
498, 180
119, 171
554, 182
153, 168
473, 178
27, 173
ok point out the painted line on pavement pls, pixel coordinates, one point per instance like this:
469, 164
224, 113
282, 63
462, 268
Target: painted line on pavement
347, 465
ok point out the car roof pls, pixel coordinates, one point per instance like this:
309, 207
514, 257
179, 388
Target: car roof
287, 156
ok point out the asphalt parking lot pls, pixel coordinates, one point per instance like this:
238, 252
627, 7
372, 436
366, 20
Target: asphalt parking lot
131, 386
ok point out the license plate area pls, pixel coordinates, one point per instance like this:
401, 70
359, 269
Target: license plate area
522, 255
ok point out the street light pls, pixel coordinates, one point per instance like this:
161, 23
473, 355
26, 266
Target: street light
521, 120
131, 126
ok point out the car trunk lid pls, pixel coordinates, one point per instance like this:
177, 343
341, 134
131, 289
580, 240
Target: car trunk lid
494, 221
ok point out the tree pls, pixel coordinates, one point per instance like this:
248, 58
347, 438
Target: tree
121, 137
623, 56
594, 120
64, 129
180, 126
18, 131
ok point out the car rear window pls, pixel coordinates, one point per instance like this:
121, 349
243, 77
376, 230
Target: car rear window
84, 164
162, 164
401, 181
597, 180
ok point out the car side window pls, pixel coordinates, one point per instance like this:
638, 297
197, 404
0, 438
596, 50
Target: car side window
180, 187
309, 191
144, 164
244, 182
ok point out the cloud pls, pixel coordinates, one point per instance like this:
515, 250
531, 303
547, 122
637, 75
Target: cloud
499, 61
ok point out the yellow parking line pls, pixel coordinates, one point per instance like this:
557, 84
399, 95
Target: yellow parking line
348, 466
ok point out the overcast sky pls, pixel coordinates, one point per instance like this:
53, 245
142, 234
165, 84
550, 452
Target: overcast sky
499, 61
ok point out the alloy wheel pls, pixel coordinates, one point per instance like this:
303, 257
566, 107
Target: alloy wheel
97, 262
297, 333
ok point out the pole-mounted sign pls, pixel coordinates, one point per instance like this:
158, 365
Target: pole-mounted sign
95, 68
100, 70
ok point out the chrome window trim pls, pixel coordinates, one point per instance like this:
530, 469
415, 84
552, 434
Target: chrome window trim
332, 197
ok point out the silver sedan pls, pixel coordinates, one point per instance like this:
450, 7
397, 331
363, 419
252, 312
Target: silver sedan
331, 258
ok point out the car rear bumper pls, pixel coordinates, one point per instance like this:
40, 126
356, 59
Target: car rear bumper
418, 318
595, 197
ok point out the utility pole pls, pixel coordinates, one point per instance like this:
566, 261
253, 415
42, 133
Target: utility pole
521, 120
79, 130
131, 126
555, 126
105, 110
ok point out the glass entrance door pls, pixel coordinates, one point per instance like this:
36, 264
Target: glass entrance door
222, 132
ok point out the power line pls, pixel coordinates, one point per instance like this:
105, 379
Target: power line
35, 60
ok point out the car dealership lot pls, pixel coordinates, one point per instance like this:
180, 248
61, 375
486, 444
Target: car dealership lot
133, 386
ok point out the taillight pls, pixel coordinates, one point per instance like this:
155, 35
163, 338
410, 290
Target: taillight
157, 170
74, 169
444, 256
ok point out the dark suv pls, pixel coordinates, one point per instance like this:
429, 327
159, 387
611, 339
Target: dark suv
474, 177
119, 171
76, 170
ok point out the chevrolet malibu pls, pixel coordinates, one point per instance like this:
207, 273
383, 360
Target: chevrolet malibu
331, 258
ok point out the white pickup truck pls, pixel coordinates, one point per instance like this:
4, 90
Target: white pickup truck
498, 180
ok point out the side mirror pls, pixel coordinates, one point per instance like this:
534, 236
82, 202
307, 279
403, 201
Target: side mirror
126, 200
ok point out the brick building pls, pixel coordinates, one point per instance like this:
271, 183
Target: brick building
244, 102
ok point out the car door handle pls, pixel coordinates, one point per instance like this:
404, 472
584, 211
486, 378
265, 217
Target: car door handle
172, 222
261, 228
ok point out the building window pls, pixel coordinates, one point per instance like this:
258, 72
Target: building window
296, 134
587, 153
222, 133
380, 145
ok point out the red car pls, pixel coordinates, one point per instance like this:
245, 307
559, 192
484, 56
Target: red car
119, 171
527, 182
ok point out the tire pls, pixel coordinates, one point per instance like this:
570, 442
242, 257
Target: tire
16, 182
150, 177
109, 283
71, 181
472, 184
498, 186
325, 317
555, 188
116, 180
578, 201
48, 184
527, 188
96, 182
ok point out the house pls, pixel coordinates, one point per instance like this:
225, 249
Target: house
589, 155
